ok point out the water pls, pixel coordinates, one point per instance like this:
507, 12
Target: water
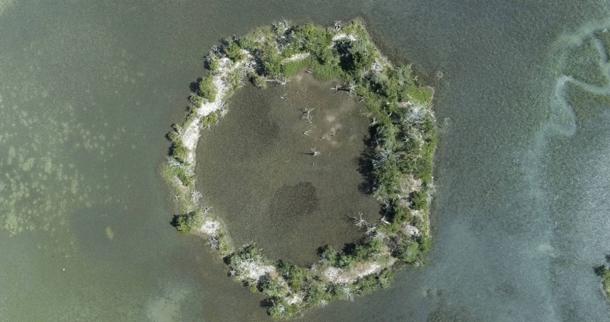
256, 170
87, 91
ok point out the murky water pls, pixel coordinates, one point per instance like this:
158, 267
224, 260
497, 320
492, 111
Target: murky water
257, 172
88, 89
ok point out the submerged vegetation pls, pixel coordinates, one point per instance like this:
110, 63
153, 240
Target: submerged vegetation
397, 163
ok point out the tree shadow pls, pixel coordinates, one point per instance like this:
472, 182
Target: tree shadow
600, 270
365, 163
194, 86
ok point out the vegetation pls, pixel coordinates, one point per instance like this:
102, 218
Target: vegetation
185, 223
179, 151
206, 88
211, 119
603, 271
397, 163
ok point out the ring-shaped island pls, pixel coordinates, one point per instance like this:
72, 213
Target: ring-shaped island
399, 160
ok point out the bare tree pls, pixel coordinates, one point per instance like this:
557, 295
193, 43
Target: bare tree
384, 221
307, 114
359, 221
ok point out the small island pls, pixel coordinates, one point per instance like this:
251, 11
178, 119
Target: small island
399, 160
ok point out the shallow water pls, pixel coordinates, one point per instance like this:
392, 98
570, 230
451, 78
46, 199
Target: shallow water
256, 171
87, 91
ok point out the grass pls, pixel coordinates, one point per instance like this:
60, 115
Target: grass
292, 68
420, 95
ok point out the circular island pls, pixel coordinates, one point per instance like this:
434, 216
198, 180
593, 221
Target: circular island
397, 161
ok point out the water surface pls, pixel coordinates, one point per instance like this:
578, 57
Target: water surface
88, 89
257, 171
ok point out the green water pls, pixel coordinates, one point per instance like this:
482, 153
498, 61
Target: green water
88, 89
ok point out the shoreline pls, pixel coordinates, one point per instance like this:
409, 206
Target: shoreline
346, 53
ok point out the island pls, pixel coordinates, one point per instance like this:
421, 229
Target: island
399, 160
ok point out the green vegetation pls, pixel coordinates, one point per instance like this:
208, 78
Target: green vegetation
185, 223
398, 162
179, 151
206, 88
603, 271
179, 172
294, 67
233, 50
210, 119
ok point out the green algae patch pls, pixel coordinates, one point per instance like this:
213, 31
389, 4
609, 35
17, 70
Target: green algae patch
397, 162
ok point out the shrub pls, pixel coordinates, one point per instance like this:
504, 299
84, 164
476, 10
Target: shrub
233, 51
185, 223
419, 199
206, 88
313, 39
271, 287
356, 57
184, 177
212, 63
195, 100
272, 63
258, 80
179, 151
210, 119
296, 276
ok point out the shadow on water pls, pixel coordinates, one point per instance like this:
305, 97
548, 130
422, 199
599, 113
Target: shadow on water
365, 164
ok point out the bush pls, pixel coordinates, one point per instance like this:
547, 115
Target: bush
296, 276
179, 152
233, 51
356, 57
185, 223
210, 119
212, 63
419, 199
206, 88
272, 63
271, 287
171, 171
196, 100
313, 39
258, 80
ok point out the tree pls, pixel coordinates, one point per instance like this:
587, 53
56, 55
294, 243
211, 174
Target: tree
206, 88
